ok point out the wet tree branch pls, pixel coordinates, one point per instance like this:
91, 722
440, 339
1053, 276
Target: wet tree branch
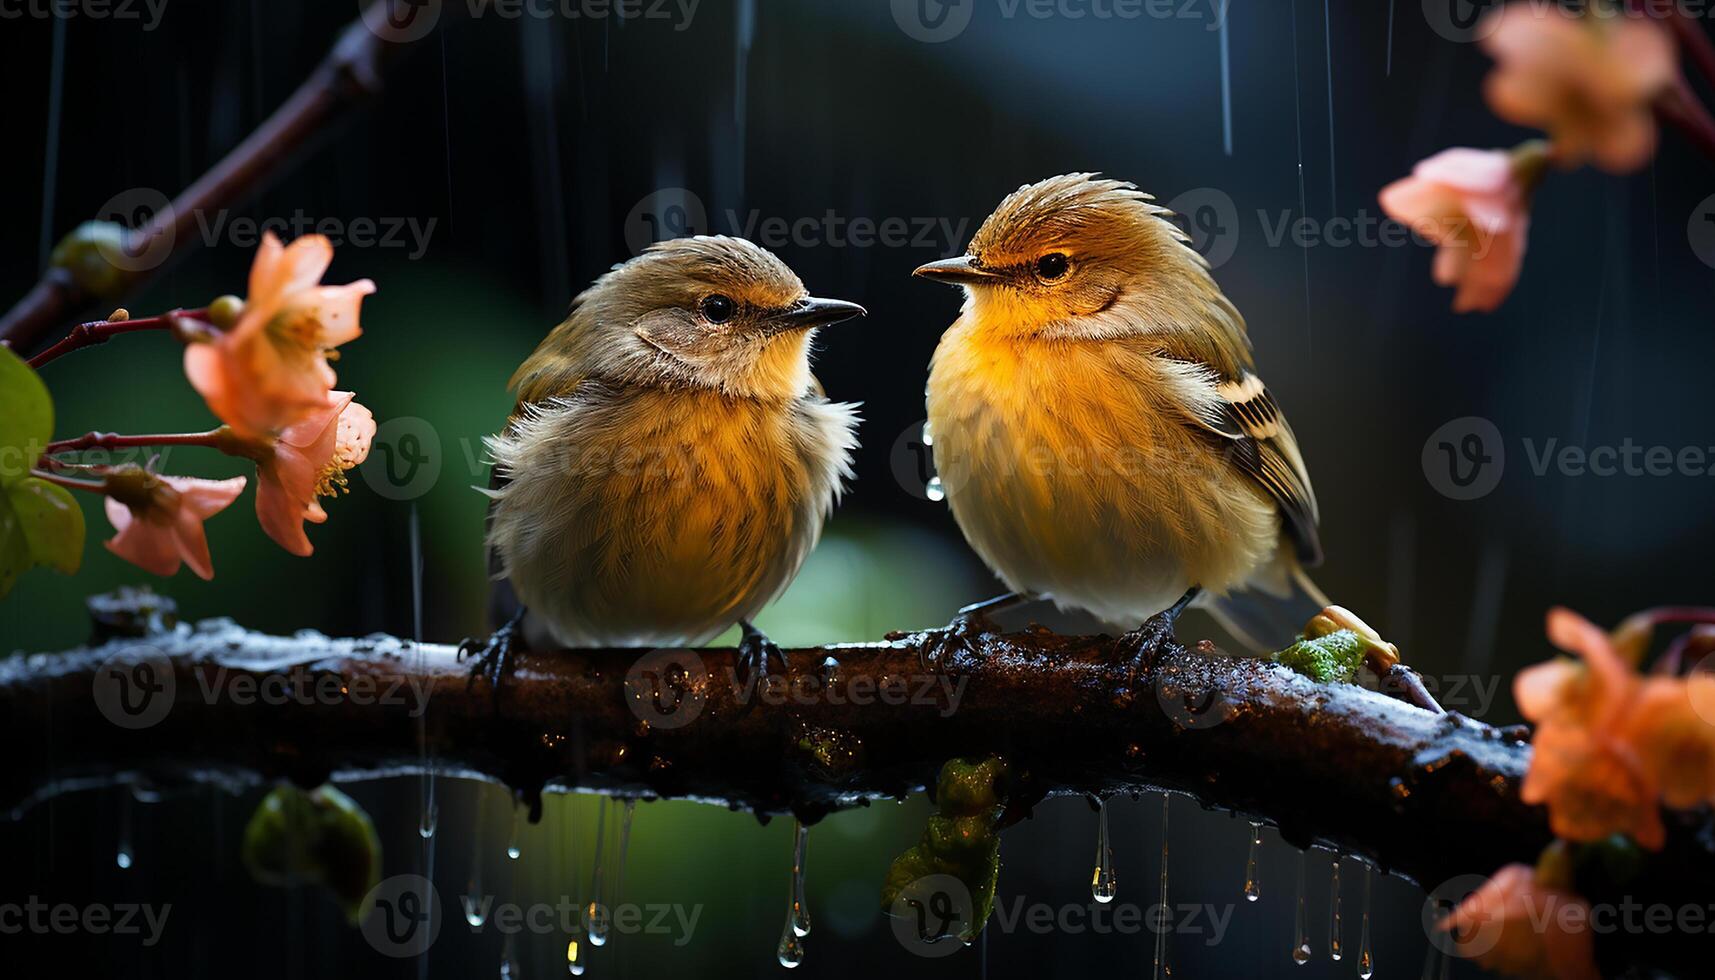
350, 74
1431, 797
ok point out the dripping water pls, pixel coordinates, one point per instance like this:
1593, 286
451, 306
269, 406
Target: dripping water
935, 490
1226, 90
595, 913
574, 958
625, 817
1334, 947
1300, 927
1366, 961
475, 911
1103, 885
1164, 925
509, 960
427, 807
513, 842
790, 952
125, 853
1253, 886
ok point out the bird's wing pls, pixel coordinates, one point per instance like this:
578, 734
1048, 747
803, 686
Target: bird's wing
1260, 442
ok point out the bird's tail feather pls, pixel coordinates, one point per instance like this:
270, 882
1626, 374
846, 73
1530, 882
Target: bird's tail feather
1266, 617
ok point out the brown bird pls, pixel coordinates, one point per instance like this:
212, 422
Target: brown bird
670, 460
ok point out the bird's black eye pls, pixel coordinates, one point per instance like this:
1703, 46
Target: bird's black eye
1052, 266
718, 308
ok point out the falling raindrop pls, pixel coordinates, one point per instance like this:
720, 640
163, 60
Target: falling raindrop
790, 952
509, 960
1334, 947
1103, 885
1366, 961
928, 436
125, 853
429, 809
934, 490
595, 913
512, 842
1253, 887
575, 958
1300, 927
1164, 925
475, 909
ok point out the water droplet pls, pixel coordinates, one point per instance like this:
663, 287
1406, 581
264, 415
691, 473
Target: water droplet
575, 958
475, 908
512, 843
1334, 947
790, 952
928, 436
124, 853
1103, 885
431, 812
595, 913
798, 908
1253, 887
1164, 925
509, 961
1366, 962
1300, 927
935, 490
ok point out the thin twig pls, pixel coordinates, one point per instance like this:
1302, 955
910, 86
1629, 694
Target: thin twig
351, 71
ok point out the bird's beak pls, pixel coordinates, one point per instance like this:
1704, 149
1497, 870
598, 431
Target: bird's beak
960, 270
814, 312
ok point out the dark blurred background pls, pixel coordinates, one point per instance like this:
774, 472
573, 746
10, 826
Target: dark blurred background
519, 156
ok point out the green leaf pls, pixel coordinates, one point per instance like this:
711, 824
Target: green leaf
51, 522
961, 843
321, 837
26, 417
40, 524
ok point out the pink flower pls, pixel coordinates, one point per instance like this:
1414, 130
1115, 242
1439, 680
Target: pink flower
1474, 205
1520, 926
272, 367
1597, 756
1589, 81
159, 520
307, 461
